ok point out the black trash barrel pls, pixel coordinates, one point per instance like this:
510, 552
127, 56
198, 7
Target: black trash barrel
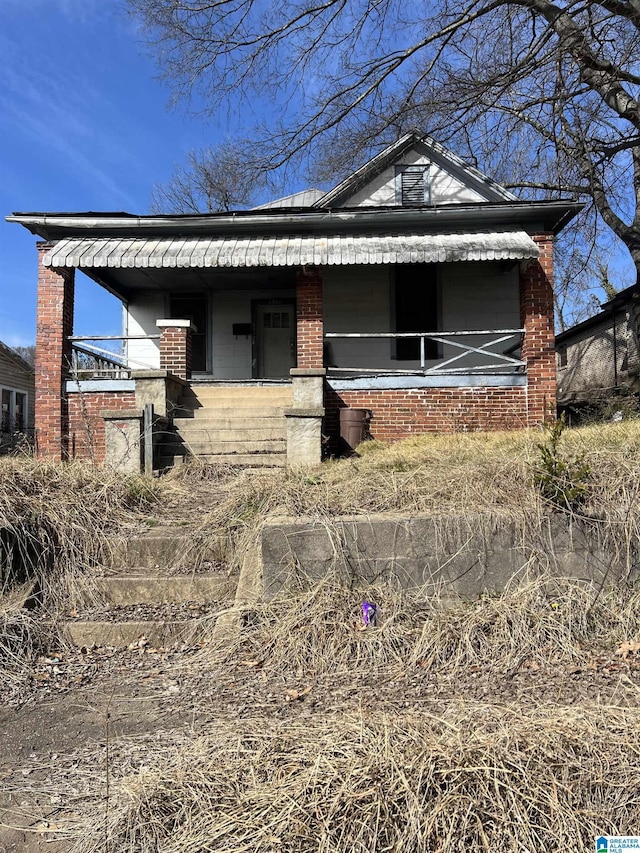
353, 426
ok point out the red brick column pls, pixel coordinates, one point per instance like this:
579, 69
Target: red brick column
175, 347
54, 325
310, 324
538, 346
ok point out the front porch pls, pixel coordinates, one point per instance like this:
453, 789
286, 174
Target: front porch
314, 351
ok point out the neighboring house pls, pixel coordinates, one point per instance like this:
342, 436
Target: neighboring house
417, 289
17, 391
599, 357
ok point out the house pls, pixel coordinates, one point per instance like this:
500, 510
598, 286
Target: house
417, 289
599, 358
17, 389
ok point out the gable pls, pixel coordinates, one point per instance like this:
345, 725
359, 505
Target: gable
395, 178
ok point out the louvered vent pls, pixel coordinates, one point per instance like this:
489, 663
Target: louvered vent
413, 188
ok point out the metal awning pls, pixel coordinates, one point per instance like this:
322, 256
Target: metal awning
289, 251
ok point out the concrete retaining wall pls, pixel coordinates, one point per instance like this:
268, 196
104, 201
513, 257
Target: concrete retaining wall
465, 556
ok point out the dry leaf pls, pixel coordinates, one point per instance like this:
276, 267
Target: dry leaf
293, 695
628, 648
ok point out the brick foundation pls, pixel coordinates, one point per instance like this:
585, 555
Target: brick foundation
54, 325
86, 426
309, 319
400, 413
538, 347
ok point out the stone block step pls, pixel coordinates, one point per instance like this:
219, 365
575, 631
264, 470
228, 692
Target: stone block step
252, 395
167, 589
249, 460
198, 446
231, 413
156, 634
210, 431
159, 547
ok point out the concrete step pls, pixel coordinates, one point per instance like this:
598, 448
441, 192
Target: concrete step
156, 634
165, 589
160, 547
199, 445
231, 413
241, 392
250, 460
211, 431
237, 399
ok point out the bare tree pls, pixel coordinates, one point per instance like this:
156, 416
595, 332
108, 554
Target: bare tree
544, 94
28, 353
211, 180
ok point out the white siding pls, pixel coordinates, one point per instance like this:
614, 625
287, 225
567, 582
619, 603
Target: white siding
445, 187
231, 353
140, 319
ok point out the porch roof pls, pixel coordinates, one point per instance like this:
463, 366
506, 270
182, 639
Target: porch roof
289, 250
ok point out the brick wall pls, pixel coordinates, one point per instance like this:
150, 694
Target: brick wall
54, 324
538, 347
175, 349
310, 326
86, 426
400, 413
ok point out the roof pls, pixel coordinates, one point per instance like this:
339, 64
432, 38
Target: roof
619, 301
293, 250
304, 198
15, 357
533, 216
340, 193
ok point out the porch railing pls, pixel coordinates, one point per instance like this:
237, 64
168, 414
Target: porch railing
494, 354
89, 361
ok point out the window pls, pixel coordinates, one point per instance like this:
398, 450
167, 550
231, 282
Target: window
562, 357
19, 420
412, 186
6, 410
415, 307
14, 411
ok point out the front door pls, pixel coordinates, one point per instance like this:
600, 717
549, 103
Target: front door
275, 339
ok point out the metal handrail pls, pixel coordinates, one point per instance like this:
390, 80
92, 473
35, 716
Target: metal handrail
500, 359
105, 363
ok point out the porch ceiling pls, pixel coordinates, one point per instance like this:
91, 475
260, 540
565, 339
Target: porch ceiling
288, 251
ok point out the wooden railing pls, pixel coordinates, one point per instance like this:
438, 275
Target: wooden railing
494, 354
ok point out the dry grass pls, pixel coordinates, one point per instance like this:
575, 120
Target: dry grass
541, 621
442, 776
55, 521
443, 475
453, 775
464, 777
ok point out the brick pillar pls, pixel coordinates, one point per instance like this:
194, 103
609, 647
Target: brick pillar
310, 325
175, 347
538, 346
54, 325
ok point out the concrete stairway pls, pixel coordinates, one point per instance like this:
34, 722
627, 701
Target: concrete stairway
149, 596
239, 425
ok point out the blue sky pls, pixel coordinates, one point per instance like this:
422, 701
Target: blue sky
84, 125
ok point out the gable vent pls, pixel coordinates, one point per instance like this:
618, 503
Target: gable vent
413, 188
